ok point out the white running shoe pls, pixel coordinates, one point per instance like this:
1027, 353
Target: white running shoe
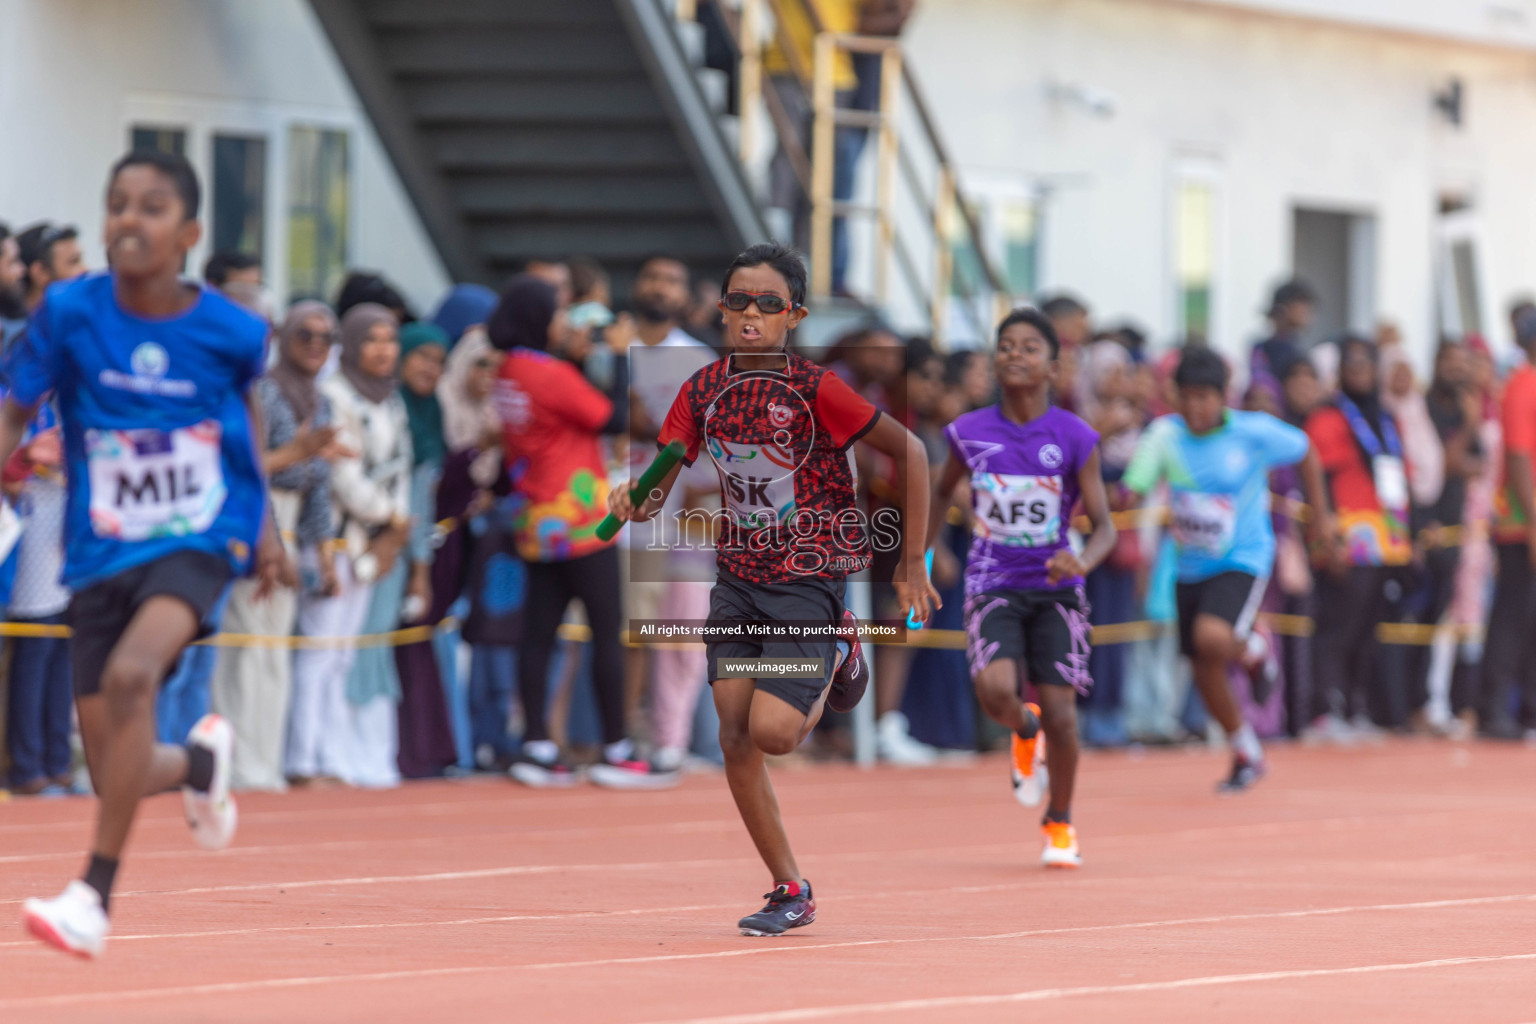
1030, 789
631, 774
212, 816
894, 742
1061, 849
72, 921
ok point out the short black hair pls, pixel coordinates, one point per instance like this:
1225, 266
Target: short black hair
225, 262
665, 257
1036, 318
363, 286
586, 274
36, 242
783, 258
5, 231
1201, 367
919, 352
956, 362
173, 166
1063, 305
1294, 290
1298, 365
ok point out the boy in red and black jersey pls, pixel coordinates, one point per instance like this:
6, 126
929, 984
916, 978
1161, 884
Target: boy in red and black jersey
778, 429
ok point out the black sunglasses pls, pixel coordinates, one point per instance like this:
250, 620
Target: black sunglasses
305, 336
769, 304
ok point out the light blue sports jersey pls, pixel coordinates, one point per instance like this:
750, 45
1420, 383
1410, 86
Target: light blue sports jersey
157, 438
1219, 484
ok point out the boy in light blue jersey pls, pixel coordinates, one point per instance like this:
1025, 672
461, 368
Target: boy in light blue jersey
1216, 462
166, 502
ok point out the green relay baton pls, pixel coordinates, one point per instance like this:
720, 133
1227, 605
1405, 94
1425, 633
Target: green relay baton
660, 466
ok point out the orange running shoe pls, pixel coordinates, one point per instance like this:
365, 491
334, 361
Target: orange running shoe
1028, 767
1060, 846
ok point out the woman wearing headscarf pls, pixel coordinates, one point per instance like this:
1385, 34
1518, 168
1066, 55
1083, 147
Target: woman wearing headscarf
553, 420
343, 723
465, 306
426, 737
1469, 608
251, 684
1363, 454
477, 551
1103, 388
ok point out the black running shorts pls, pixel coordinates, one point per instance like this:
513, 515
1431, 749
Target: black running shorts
1046, 631
100, 613
1233, 597
812, 600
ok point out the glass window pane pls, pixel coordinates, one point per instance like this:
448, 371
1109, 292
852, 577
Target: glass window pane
1021, 246
239, 194
319, 197
166, 140
1195, 256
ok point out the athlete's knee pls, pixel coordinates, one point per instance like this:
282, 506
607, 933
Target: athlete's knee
736, 741
1213, 639
1058, 714
129, 684
774, 739
996, 689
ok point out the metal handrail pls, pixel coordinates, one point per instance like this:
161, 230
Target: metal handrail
945, 211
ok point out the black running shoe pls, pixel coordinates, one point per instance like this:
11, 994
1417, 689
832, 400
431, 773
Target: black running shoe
782, 913
852, 676
530, 771
1244, 775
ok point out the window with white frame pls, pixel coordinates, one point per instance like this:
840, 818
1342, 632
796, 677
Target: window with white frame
239, 207
319, 203
1196, 248
171, 140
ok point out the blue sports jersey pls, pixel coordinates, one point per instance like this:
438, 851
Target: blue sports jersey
1219, 488
157, 439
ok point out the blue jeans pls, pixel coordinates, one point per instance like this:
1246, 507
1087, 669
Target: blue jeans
38, 719
184, 696
492, 675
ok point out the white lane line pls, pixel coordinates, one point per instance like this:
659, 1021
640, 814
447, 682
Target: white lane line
662, 912
527, 834
1044, 994
771, 1017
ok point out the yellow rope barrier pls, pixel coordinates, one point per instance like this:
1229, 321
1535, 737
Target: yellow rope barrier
1106, 635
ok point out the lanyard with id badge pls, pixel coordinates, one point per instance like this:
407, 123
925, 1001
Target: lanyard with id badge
1387, 469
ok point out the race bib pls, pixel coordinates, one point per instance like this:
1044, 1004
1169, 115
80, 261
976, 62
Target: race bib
1019, 511
1204, 522
757, 482
155, 483
1391, 482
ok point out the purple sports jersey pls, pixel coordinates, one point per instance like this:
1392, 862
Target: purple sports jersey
1023, 490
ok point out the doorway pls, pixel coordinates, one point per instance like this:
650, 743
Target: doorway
1335, 252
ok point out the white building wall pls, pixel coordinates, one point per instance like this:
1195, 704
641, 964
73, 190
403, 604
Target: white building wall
1288, 111
74, 74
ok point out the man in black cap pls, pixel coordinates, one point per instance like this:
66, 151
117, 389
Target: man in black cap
1290, 314
51, 253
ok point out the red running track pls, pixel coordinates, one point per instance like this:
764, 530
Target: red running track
1388, 884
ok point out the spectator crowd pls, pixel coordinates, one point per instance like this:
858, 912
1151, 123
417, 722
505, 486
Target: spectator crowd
438, 478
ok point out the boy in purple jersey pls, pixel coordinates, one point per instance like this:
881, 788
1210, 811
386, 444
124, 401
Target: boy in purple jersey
1027, 463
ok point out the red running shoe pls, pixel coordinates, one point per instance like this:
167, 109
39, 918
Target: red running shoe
852, 676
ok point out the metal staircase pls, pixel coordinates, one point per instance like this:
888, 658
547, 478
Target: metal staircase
527, 129
540, 129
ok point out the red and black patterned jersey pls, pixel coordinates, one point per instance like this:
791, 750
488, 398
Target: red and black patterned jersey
779, 440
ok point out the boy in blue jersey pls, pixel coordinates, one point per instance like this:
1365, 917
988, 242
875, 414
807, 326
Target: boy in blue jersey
1216, 462
166, 502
